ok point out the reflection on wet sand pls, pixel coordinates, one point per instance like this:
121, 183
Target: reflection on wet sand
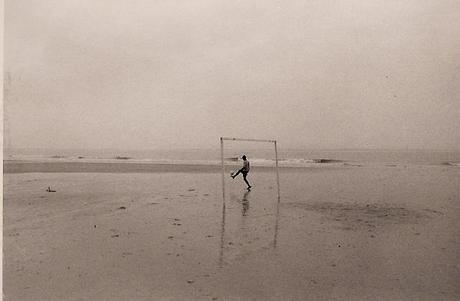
244, 213
275, 237
222, 234
245, 202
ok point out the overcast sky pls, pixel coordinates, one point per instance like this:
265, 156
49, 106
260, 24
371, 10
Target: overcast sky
160, 74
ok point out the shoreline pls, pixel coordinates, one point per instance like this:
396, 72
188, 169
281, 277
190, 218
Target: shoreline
32, 166
20, 166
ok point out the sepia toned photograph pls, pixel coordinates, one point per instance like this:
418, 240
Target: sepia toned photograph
231, 150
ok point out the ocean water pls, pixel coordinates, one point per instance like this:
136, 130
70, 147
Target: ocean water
266, 156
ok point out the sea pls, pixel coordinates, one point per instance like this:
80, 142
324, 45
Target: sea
266, 156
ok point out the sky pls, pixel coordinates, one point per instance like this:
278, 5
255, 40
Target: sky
162, 74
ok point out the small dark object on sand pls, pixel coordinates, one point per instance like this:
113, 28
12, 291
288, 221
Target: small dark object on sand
190, 281
50, 190
122, 208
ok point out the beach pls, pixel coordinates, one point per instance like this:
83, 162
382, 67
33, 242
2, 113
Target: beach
120, 231
124, 123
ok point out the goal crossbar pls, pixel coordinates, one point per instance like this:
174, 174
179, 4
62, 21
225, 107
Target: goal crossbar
247, 139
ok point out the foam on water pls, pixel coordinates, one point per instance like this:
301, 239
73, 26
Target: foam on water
287, 158
456, 164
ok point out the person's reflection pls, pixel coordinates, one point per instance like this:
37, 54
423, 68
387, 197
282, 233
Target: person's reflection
245, 202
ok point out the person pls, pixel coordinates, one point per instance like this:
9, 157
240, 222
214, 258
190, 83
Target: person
244, 171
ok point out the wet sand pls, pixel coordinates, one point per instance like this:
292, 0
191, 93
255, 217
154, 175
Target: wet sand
343, 233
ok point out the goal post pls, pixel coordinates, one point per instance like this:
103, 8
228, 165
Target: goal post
222, 139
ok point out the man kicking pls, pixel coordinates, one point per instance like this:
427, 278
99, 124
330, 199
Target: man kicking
244, 170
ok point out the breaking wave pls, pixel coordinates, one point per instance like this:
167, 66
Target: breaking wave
456, 164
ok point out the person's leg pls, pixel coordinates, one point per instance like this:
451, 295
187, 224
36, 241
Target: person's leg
237, 173
244, 177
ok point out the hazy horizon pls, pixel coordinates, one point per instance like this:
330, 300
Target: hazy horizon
140, 75
254, 147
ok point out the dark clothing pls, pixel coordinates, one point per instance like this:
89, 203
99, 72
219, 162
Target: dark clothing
244, 170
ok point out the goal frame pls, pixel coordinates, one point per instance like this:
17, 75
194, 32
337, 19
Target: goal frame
222, 139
